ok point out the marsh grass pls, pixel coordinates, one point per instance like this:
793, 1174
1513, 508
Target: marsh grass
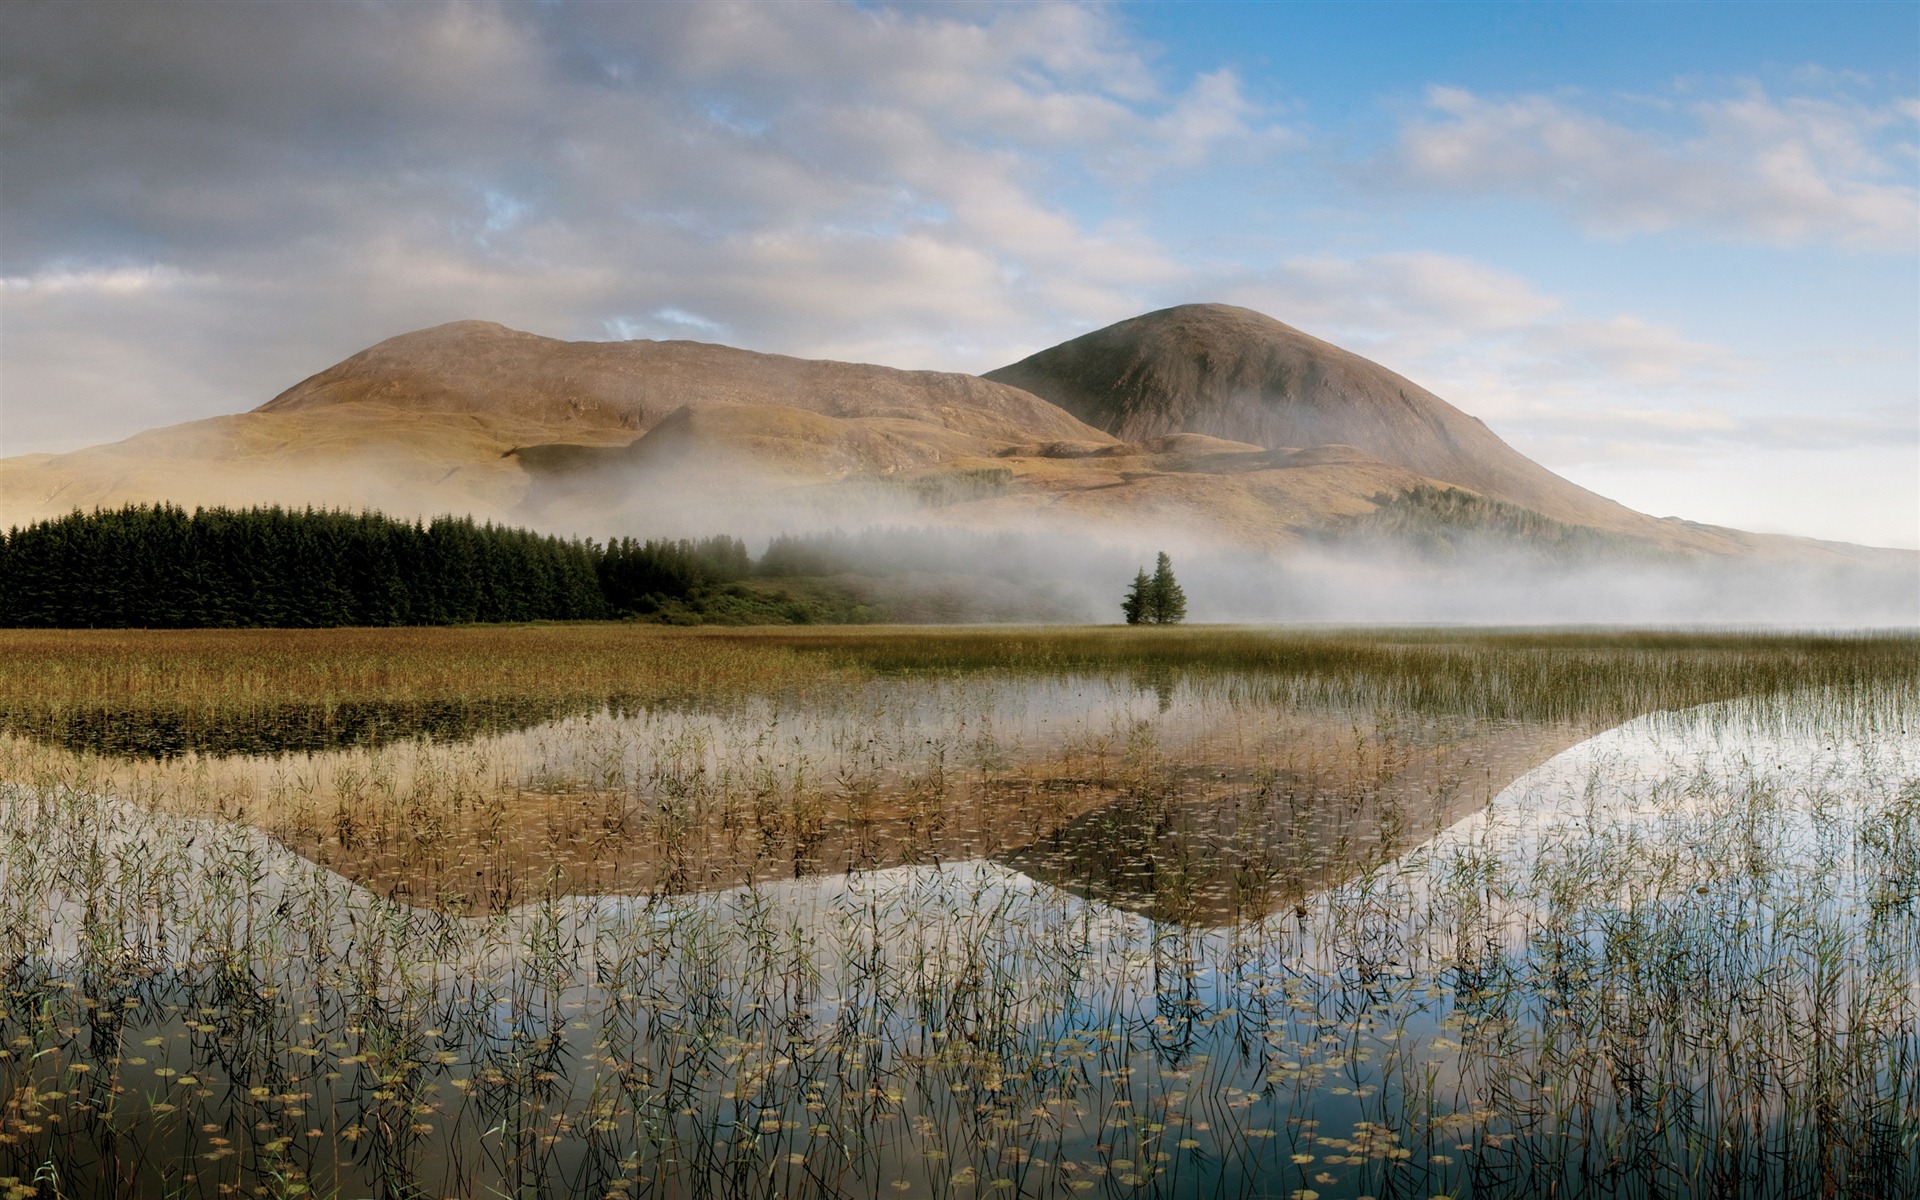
1604, 675
1292, 948
236, 671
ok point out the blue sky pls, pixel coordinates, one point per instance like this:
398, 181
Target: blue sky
1349, 55
1670, 250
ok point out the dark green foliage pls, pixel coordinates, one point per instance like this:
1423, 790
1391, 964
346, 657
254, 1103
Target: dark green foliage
1166, 602
161, 567
1134, 607
643, 577
705, 583
758, 602
1155, 599
1442, 524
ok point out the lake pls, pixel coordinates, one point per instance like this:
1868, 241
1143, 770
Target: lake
1148, 930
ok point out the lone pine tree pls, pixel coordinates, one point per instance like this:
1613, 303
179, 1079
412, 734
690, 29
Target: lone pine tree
1155, 599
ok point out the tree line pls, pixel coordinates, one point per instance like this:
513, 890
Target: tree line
160, 566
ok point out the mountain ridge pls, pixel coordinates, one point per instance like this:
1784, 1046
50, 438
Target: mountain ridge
480, 367
1209, 424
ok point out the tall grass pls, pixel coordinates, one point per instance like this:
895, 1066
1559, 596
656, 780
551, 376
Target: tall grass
229, 672
1681, 965
1173, 912
1482, 673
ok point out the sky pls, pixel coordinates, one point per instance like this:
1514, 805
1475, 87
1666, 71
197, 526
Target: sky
1672, 251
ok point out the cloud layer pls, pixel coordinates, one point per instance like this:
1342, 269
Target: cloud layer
204, 202
1745, 166
829, 178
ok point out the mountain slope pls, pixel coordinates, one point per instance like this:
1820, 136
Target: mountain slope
477, 418
1235, 373
483, 369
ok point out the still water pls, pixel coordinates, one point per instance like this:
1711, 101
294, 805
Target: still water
1680, 956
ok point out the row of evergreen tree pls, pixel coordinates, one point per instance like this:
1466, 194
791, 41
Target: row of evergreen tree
635, 576
162, 567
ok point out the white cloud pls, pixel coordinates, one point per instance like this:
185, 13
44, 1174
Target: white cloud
1398, 296
1746, 166
1627, 406
1568, 388
826, 179
1635, 352
101, 281
1482, 335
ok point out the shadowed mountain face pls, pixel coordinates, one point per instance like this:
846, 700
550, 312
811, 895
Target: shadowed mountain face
1234, 373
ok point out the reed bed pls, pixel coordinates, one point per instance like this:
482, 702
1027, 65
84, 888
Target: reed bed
1200, 914
1528, 674
232, 671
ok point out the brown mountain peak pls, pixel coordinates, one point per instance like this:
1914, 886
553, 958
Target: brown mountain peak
1234, 373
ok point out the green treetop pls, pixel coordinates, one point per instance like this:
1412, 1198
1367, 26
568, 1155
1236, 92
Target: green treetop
1169, 602
1136, 604
1155, 599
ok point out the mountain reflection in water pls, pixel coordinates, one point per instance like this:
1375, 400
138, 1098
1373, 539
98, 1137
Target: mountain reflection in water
1686, 943
1200, 800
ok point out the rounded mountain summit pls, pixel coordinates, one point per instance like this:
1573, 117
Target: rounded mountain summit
1237, 374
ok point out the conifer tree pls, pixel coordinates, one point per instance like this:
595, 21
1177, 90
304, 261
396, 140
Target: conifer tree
159, 566
1135, 605
1166, 601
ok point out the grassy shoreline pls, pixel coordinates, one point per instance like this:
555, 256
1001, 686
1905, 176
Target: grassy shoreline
1528, 673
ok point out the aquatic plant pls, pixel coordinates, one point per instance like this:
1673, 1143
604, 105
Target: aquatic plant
986, 916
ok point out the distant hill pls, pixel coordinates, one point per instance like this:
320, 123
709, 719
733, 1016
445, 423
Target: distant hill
1204, 426
478, 368
1234, 373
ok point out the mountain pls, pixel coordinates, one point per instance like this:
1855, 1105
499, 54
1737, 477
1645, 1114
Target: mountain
473, 416
1234, 373
480, 369
1203, 425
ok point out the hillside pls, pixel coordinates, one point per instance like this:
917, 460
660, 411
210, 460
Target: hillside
481, 369
1233, 373
1206, 425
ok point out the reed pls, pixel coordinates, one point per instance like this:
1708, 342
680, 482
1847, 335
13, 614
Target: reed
1224, 913
1492, 673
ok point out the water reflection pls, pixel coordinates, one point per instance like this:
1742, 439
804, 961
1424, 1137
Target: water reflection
1213, 798
1212, 845
295, 729
1678, 954
278, 729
